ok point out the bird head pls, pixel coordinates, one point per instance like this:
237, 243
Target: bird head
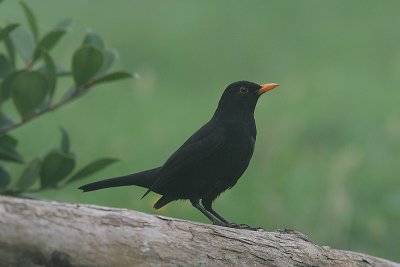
241, 97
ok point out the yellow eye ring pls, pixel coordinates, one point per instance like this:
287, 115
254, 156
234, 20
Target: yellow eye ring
243, 90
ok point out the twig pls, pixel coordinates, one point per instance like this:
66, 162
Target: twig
52, 107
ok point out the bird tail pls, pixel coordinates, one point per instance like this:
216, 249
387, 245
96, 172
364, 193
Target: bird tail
143, 179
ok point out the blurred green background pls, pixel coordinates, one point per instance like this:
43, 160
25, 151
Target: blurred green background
327, 156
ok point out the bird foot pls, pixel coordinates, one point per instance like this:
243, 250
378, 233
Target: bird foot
245, 227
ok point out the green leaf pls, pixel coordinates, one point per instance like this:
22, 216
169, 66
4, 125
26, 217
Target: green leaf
93, 39
9, 140
7, 29
29, 175
110, 55
118, 75
10, 50
31, 20
5, 34
64, 141
64, 24
23, 43
29, 90
7, 149
5, 66
5, 89
4, 178
86, 62
5, 121
91, 168
48, 42
49, 71
50, 39
55, 167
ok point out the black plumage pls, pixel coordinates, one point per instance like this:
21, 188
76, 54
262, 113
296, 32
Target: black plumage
210, 161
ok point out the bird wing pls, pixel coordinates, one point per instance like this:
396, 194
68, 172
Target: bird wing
201, 145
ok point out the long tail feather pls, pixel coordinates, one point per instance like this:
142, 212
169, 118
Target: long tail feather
143, 179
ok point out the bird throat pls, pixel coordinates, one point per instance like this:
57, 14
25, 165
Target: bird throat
235, 110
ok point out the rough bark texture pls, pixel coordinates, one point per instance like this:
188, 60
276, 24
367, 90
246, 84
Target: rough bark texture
40, 233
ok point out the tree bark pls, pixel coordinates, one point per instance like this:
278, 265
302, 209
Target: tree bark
42, 233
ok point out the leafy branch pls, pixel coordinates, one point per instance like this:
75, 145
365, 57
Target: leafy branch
74, 94
32, 86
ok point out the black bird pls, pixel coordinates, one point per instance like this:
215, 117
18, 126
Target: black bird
210, 161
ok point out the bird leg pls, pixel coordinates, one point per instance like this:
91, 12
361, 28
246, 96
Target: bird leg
196, 204
207, 204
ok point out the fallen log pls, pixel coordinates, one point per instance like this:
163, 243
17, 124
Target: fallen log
42, 233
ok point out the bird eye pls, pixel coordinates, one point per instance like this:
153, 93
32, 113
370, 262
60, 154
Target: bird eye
243, 90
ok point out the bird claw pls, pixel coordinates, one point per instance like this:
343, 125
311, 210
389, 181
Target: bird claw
244, 226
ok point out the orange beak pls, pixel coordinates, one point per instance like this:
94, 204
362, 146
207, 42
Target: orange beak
266, 87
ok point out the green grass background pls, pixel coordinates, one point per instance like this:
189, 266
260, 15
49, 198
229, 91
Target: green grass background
327, 155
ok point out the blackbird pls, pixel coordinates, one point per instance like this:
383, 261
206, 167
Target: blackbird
210, 161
